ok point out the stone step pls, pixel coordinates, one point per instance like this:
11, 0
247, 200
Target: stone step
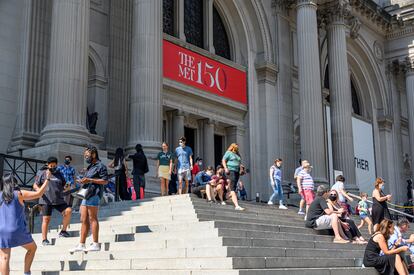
311, 271
143, 272
134, 264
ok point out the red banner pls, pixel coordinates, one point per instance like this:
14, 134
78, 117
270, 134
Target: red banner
198, 71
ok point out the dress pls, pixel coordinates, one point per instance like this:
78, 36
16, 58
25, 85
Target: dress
13, 227
384, 264
380, 210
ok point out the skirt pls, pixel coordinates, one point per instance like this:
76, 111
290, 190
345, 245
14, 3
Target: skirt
164, 172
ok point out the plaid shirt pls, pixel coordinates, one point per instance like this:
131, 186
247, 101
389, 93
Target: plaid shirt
68, 173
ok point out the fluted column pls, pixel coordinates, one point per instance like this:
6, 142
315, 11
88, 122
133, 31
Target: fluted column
178, 128
409, 81
311, 116
68, 75
340, 93
146, 78
208, 143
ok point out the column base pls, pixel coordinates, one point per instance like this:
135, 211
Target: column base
23, 141
64, 133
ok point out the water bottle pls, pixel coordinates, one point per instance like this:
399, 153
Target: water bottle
257, 197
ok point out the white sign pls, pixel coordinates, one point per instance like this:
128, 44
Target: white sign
364, 155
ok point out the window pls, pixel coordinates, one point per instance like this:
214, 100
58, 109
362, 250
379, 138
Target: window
193, 22
168, 16
220, 38
355, 101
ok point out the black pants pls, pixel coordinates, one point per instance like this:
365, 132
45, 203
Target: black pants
122, 185
139, 181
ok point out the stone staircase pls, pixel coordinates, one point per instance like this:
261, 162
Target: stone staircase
183, 235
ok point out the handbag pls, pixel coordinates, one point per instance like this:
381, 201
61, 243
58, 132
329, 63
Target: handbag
86, 192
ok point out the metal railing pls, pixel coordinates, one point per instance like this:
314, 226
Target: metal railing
389, 208
25, 169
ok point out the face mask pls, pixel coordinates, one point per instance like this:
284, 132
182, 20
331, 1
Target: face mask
332, 197
209, 173
200, 163
382, 187
67, 162
88, 160
52, 170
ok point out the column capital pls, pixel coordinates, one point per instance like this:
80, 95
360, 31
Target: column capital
282, 5
313, 3
409, 60
335, 12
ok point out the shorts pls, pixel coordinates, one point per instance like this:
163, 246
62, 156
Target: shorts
47, 209
363, 216
91, 202
324, 222
164, 172
308, 196
184, 174
234, 177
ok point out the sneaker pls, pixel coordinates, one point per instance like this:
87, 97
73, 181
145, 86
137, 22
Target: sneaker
283, 207
239, 208
64, 234
78, 248
223, 203
94, 247
300, 212
46, 243
270, 203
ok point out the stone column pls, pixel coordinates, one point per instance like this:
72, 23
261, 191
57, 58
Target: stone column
208, 26
409, 82
68, 75
311, 116
340, 93
177, 129
208, 143
179, 19
145, 125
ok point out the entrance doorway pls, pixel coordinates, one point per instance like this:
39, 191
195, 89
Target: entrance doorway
190, 135
218, 149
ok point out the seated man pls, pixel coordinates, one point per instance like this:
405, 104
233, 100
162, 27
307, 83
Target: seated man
219, 184
320, 217
201, 181
397, 239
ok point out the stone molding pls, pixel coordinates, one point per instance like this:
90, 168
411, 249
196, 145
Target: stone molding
267, 73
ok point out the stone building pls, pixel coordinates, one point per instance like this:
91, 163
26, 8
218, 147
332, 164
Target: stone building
327, 81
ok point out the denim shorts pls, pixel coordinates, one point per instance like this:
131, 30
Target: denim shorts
93, 201
363, 216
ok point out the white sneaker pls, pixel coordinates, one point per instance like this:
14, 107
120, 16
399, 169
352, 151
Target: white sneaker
282, 207
239, 208
270, 203
78, 248
223, 203
94, 247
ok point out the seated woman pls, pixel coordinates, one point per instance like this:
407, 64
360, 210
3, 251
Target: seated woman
391, 260
350, 229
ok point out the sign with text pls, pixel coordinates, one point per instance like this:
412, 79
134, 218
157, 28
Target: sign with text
196, 70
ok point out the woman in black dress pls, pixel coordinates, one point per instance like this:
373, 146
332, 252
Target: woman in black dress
120, 166
379, 207
390, 262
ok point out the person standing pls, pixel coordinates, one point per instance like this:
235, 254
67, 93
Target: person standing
232, 165
96, 176
363, 213
68, 173
306, 185
295, 176
184, 165
140, 168
343, 196
53, 198
13, 227
120, 166
276, 183
379, 206
164, 167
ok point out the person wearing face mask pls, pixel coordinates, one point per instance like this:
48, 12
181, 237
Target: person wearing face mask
96, 176
198, 166
276, 183
69, 174
349, 227
379, 206
184, 165
53, 198
203, 182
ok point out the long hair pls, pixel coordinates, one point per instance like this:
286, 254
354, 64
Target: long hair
234, 147
385, 228
378, 181
119, 155
92, 149
7, 185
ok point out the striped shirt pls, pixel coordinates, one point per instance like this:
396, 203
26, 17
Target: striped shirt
297, 171
307, 180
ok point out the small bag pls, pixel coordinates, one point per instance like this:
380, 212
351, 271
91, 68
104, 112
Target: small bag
86, 192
